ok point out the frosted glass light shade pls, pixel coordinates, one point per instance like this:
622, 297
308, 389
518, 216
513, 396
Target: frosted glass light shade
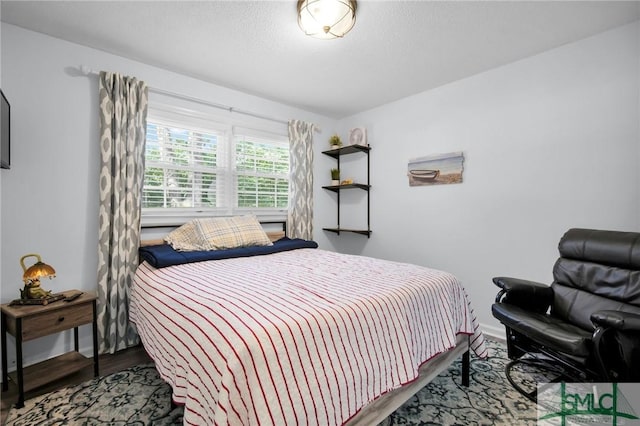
326, 19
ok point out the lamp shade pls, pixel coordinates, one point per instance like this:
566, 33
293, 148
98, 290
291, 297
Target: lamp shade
326, 19
37, 270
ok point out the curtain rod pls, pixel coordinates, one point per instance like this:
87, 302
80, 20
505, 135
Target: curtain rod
84, 70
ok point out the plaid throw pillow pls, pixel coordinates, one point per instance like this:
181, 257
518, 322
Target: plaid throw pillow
219, 233
186, 238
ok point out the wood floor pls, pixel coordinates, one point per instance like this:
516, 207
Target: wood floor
108, 364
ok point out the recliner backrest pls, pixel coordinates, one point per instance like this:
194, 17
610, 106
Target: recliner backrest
596, 270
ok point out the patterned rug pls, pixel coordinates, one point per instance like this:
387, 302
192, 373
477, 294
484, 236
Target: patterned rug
138, 396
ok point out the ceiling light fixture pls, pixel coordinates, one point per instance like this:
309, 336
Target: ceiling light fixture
326, 19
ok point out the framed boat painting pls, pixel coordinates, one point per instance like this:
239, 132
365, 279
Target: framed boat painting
436, 169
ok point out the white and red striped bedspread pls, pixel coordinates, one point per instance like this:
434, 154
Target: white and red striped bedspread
300, 337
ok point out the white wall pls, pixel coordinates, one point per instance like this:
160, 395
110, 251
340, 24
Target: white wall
550, 142
50, 196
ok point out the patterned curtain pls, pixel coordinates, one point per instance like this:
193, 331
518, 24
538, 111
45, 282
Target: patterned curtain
300, 215
123, 122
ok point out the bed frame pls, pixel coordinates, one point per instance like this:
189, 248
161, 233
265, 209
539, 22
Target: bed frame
275, 229
382, 407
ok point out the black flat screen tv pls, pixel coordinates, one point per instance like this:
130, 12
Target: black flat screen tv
5, 132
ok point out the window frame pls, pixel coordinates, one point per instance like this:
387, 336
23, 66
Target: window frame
229, 127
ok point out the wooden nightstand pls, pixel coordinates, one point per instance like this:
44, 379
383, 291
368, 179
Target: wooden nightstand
29, 322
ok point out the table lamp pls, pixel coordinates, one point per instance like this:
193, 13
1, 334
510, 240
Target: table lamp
31, 278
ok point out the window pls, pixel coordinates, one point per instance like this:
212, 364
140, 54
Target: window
196, 167
262, 173
181, 168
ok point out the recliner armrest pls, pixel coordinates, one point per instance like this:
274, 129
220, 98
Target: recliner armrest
616, 341
508, 284
527, 294
619, 320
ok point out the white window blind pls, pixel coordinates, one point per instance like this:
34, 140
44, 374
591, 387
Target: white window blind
262, 168
194, 167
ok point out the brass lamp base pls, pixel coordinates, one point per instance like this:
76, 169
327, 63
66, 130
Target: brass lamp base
33, 294
33, 290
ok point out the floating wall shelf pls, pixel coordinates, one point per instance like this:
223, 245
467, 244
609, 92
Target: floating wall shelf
337, 153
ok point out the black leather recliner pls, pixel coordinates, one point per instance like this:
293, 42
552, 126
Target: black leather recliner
588, 320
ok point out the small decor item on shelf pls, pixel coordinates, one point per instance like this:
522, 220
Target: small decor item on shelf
347, 181
335, 176
335, 142
358, 136
32, 293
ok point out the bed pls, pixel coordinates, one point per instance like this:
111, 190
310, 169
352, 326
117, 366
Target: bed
296, 334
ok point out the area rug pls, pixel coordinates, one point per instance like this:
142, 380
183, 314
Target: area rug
138, 396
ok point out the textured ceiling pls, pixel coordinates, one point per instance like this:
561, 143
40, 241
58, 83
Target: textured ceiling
396, 49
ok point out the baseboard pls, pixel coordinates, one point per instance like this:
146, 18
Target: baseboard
495, 333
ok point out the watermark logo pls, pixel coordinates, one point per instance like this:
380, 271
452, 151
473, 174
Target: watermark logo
613, 404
